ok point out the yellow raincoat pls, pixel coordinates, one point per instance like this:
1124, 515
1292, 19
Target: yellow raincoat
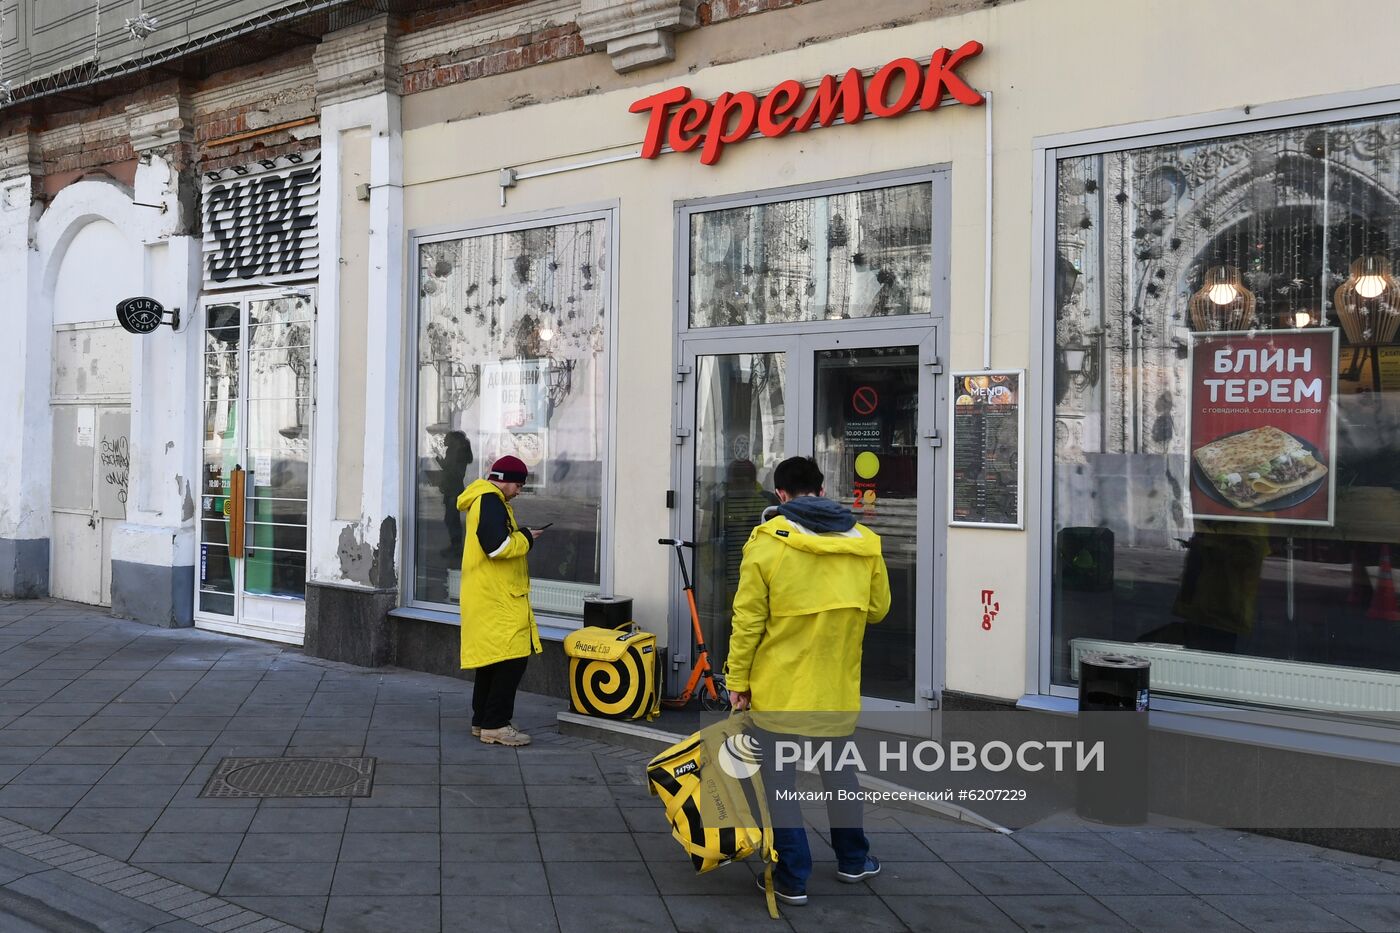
800, 614
497, 621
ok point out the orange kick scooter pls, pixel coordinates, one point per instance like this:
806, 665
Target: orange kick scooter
711, 697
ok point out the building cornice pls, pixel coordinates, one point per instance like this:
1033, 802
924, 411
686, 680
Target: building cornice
357, 62
635, 33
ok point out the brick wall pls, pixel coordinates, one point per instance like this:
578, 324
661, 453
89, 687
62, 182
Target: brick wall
513, 53
717, 11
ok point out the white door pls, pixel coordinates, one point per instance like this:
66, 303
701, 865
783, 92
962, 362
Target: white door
91, 463
257, 436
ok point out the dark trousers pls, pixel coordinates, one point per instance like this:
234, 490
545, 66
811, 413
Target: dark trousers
453, 520
789, 833
493, 693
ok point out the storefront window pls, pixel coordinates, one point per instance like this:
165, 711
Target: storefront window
850, 255
1226, 486
511, 361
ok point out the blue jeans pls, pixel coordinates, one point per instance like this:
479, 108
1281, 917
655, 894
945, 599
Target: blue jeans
789, 833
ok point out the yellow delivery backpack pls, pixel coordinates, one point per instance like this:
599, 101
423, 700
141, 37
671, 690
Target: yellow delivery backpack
718, 814
612, 672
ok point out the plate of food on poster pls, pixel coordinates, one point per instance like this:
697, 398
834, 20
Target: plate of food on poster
1262, 469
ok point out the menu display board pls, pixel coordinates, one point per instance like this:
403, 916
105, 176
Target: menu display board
1263, 426
987, 418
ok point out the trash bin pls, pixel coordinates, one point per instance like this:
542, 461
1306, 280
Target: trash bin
607, 611
1113, 701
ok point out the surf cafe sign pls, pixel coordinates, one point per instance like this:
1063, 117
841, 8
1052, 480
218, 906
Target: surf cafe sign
683, 123
143, 315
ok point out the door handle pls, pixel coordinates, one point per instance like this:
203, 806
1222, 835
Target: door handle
92, 520
236, 485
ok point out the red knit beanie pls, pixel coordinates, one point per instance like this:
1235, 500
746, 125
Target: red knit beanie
508, 470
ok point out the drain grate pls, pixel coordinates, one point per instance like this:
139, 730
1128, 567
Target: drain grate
291, 777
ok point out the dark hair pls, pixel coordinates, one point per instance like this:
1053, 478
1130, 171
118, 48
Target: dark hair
798, 476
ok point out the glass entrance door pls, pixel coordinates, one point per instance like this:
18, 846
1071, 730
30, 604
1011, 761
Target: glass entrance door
256, 465
863, 407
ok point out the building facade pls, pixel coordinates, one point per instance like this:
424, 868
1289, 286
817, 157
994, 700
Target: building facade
1103, 346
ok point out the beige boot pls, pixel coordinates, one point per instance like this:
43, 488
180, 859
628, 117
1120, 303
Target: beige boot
506, 735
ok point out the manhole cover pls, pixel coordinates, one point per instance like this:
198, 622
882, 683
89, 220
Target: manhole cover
291, 777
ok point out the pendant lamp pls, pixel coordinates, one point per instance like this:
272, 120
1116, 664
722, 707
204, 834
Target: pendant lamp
1222, 303
1368, 302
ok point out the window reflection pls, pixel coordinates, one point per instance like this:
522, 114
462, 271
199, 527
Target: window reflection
1261, 233
850, 255
510, 361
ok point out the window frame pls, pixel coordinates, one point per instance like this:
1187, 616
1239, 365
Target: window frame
1199, 716
705, 340
552, 627
939, 179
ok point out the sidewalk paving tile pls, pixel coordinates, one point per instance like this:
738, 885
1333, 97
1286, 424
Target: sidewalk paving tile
1315, 877
369, 878
584, 914
1374, 913
1122, 877
96, 819
951, 914
585, 847
584, 819
1159, 846
188, 847
290, 847
1213, 878
916, 878
494, 878
1070, 913
390, 847
708, 912
490, 847
382, 914
980, 847
1069, 846
205, 876
393, 820
599, 878
1273, 913
490, 820
1028, 878
288, 820
278, 878
518, 914
304, 913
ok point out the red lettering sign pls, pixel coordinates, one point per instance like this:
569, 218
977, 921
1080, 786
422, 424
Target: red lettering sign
685, 123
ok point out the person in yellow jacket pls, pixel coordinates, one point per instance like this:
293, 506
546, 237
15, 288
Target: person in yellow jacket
811, 580
498, 626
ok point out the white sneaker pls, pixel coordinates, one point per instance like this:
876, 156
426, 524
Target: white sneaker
506, 735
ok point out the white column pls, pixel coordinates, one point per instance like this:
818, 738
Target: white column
358, 87
24, 379
153, 551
